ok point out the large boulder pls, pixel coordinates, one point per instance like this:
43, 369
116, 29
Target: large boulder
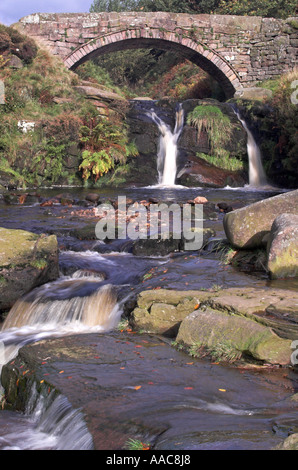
230, 337
246, 227
282, 247
27, 260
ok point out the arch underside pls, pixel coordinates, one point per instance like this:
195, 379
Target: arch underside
226, 77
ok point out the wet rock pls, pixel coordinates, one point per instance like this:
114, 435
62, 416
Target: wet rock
282, 247
224, 207
230, 336
27, 260
86, 232
137, 386
246, 227
159, 247
92, 197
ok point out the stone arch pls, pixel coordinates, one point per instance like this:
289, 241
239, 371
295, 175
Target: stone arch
198, 53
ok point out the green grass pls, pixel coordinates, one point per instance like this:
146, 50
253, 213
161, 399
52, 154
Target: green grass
222, 351
136, 444
223, 160
215, 123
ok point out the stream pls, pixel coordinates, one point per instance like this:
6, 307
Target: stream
187, 403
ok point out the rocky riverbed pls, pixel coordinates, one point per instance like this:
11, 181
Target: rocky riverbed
202, 359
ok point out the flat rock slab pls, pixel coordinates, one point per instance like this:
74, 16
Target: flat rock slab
137, 386
161, 311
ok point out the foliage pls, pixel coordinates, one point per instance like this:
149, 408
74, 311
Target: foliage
217, 125
223, 160
286, 118
95, 164
272, 9
184, 81
113, 5
223, 350
13, 42
104, 145
48, 162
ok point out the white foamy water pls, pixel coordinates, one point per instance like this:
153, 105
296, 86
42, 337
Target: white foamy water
167, 152
53, 310
48, 423
257, 176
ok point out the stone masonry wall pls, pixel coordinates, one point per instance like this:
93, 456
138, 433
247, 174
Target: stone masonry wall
245, 49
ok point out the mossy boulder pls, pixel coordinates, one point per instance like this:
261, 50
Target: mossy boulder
161, 311
231, 336
282, 247
246, 227
27, 260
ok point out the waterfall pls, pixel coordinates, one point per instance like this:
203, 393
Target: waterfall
58, 305
167, 151
70, 305
257, 176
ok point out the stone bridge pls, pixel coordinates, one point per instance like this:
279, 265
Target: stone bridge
238, 51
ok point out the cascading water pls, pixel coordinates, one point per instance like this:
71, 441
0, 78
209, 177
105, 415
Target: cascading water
70, 305
257, 176
48, 423
167, 151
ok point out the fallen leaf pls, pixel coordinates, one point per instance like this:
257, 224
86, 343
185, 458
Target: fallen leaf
61, 371
222, 389
189, 363
188, 388
42, 381
137, 387
22, 198
197, 306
